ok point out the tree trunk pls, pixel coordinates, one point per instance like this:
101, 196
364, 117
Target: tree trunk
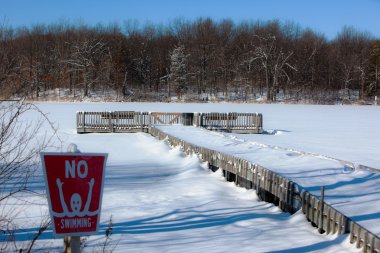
85, 94
269, 96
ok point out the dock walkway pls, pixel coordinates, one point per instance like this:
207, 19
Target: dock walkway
293, 180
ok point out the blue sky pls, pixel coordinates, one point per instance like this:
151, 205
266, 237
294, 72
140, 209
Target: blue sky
324, 16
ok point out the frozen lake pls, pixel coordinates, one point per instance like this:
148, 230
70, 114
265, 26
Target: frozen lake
349, 133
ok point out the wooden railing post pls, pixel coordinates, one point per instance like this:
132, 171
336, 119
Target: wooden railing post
260, 126
84, 121
322, 199
110, 122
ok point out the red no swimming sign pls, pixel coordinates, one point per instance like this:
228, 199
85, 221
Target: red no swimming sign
74, 183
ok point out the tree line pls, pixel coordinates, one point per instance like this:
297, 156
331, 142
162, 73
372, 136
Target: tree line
189, 60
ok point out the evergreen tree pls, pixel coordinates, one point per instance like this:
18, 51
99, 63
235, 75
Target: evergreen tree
178, 72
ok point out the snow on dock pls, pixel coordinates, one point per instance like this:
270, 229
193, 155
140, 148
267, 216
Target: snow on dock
353, 192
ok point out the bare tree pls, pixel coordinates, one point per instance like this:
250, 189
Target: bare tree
373, 70
20, 144
143, 66
274, 60
8, 64
85, 56
352, 50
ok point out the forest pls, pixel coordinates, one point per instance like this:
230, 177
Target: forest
197, 60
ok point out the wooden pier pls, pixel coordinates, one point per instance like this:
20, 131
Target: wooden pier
131, 121
274, 188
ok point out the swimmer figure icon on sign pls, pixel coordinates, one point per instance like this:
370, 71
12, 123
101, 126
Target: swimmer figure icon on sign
75, 203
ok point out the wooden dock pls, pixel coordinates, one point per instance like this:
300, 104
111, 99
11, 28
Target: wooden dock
131, 121
274, 188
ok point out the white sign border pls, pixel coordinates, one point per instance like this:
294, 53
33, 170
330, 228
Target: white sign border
42, 155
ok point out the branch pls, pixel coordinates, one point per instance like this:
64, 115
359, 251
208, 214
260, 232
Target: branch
43, 227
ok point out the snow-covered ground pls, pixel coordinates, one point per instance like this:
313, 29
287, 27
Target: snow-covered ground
163, 201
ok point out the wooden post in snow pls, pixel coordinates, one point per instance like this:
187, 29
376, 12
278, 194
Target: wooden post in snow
322, 199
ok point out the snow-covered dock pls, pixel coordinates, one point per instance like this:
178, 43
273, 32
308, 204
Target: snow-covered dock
293, 180
133, 121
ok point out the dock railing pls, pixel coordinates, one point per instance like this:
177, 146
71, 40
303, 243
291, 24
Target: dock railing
118, 121
233, 122
131, 121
